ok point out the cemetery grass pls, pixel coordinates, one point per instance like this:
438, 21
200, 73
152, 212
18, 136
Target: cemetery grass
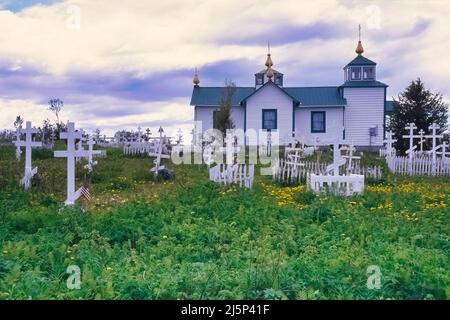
187, 238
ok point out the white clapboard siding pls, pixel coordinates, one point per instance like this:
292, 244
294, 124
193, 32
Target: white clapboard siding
271, 97
204, 114
365, 109
333, 125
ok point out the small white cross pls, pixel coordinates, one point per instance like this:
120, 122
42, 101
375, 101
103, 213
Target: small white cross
28, 144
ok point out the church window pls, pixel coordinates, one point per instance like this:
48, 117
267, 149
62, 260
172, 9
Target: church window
317, 121
259, 79
269, 119
279, 79
368, 73
356, 73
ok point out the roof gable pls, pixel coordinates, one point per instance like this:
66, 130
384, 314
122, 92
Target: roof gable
272, 84
361, 61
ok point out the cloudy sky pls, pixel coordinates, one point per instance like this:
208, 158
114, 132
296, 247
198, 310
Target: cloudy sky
123, 64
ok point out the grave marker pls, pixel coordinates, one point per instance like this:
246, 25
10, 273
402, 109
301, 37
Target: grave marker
28, 144
91, 153
71, 153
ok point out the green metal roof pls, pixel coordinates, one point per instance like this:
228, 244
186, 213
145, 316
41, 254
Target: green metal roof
211, 96
390, 106
361, 61
307, 96
363, 84
317, 96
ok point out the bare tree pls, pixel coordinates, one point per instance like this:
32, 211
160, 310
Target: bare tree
223, 119
18, 123
56, 105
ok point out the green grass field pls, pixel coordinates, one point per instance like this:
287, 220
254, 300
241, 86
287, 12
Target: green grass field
187, 238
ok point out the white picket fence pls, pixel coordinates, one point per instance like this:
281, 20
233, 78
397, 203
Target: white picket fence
240, 174
386, 153
293, 173
420, 166
347, 185
138, 148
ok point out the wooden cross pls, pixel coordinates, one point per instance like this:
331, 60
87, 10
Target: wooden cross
179, 136
338, 161
444, 151
91, 153
28, 144
230, 150
350, 149
139, 134
71, 153
434, 127
411, 127
390, 143
158, 154
422, 140
148, 132
18, 150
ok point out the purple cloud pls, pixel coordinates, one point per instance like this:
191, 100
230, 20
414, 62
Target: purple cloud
290, 33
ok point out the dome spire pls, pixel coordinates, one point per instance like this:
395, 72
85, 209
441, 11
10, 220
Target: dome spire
269, 62
196, 80
359, 49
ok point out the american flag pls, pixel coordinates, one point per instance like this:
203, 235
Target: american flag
85, 193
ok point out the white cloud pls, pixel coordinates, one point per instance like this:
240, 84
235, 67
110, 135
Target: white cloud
148, 36
173, 115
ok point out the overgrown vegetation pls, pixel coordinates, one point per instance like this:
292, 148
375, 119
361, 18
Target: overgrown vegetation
190, 239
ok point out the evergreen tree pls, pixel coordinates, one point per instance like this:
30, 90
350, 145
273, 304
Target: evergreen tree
419, 106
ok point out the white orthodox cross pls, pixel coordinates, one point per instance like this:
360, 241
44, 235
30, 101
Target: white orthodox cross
208, 155
179, 136
434, 127
230, 150
422, 140
349, 156
28, 144
139, 133
91, 153
18, 150
158, 167
444, 151
411, 127
71, 153
390, 144
338, 161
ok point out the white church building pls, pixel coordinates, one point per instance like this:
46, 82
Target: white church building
355, 110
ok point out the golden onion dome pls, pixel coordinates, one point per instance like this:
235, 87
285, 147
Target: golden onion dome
359, 49
196, 80
269, 62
